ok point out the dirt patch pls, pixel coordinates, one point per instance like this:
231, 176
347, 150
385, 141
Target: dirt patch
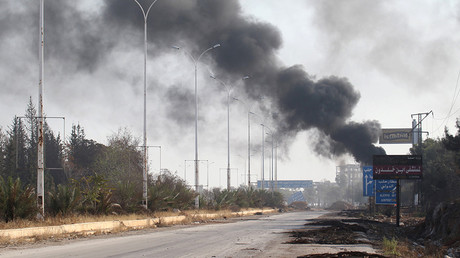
413, 238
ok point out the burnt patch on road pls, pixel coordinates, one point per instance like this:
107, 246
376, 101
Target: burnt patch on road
345, 254
329, 232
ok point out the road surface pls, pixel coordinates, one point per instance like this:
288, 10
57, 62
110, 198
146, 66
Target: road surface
259, 236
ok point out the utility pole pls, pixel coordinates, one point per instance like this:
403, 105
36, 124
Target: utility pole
40, 150
417, 141
417, 126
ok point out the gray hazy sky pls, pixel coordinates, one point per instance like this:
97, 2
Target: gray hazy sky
389, 58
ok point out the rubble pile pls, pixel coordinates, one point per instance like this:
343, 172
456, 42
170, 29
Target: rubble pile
340, 205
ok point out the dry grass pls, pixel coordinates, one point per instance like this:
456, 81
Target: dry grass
405, 248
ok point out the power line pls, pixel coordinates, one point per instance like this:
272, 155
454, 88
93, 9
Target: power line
450, 114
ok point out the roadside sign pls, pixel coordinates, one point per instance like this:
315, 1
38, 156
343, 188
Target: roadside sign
396, 136
368, 181
293, 184
385, 185
397, 166
385, 198
385, 192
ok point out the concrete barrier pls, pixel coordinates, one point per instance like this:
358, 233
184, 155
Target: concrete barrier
172, 219
108, 226
103, 226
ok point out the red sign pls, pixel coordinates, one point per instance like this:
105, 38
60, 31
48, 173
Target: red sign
397, 167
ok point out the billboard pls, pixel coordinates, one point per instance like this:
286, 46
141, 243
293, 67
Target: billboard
397, 167
368, 181
396, 136
385, 192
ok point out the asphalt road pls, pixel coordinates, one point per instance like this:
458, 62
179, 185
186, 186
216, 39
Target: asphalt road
259, 236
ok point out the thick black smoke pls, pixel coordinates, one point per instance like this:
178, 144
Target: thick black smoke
250, 47
83, 42
326, 105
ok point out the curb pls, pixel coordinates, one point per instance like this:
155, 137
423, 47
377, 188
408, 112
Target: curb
108, 226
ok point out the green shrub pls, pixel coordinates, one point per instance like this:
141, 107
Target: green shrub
16, 201
128, 195
63, 200
390, 246
96, 195
242, 197
168, 192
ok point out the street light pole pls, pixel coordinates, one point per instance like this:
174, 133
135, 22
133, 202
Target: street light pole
195, 62
276, 167
228, 89
144, 161
272, 164
263, 147
263, 155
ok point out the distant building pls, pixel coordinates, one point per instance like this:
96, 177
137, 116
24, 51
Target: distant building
350, 178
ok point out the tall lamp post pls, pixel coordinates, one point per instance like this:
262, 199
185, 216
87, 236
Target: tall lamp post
263, 156
228, 89
144, 161
195, 62
271, 166
263, 149
249, 139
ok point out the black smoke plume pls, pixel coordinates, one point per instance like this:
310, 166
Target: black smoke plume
249, 47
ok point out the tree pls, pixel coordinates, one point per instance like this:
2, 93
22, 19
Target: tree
54, 156
440, 181
121, 164
81, 153
14, 163
3, 144
31, 127
452, 143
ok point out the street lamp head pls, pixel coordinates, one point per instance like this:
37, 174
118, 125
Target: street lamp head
216, 46
246, 77
212, 76
175, 47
